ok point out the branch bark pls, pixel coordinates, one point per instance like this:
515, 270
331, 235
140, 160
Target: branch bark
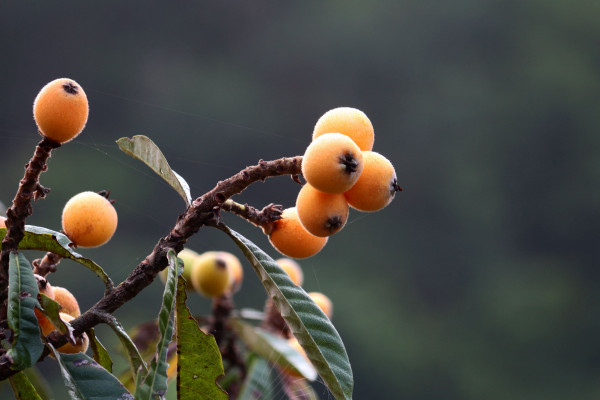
29, 189
203, 211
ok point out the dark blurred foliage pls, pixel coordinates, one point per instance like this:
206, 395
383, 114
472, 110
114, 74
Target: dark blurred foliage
479, 281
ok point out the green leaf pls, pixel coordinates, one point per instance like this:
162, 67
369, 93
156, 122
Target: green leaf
39, 382
101, 356
199, 361
145, 150
275, 348
38, 238
22, 387
258, 384
312, 328
154, 385
27, 346
85, 379
51, 310
136, 362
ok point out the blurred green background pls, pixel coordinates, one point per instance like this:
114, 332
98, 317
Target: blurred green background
479, 281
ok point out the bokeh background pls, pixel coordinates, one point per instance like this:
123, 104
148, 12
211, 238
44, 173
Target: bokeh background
479, 281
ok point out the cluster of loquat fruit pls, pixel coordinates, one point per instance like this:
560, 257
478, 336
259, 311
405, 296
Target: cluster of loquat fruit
341, 171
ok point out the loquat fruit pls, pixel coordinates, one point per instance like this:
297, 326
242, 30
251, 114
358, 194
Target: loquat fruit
293, 269
89, 219
44, 288
210, 276
82, 342
61, 110
291, 239
187, 256
68, 302
332, 163
322, 214
347, 121
323, 302
376, 186
236, 272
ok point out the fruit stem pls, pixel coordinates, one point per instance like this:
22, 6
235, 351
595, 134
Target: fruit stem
269, 213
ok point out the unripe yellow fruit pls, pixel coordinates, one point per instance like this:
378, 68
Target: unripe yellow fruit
89, 219
61, 110
376, 186
236, 271
188, 257
291, 239
68, 302
322, 214
332, 163
293, 269
68, 348
347, 121
323, 302
210, 275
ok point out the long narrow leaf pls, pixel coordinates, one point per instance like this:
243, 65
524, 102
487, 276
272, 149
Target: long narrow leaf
297, 388
85, 379
22, 387
145, 150
155, 385
100, 353
275, 348
258, 384
27, 346
199, 362
312, 328
38, 238
136, 362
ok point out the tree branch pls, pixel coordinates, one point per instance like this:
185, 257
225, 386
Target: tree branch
29, 188
203, 211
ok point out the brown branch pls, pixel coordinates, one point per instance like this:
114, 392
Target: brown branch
261, 219
46, 265
203, 211
29, 189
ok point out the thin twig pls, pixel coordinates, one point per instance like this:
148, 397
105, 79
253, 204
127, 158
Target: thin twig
269, 213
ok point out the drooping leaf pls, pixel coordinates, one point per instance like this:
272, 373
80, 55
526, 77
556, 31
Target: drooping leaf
99, 352
155, 385
145, 150
252, 314
297, 388
136, 362
258, 384
38, 238
275, 348
51, 309
85, 379
39, 382
199, 361
308, 323
22, 387
27, 346
146, 337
